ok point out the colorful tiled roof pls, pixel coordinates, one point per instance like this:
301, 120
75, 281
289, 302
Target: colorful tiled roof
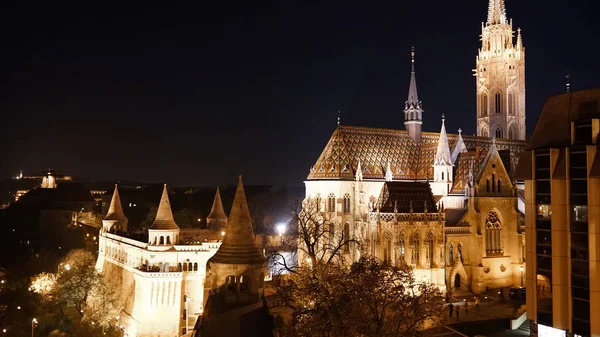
375, 147
397, 196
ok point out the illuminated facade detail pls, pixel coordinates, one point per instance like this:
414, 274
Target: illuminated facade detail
413, 109
500, 77
162, 279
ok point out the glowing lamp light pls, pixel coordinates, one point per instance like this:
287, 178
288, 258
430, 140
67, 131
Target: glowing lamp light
308, 259
281, 228
67, 267
19, 307
222, 233
521, 268
4, 330
34, 321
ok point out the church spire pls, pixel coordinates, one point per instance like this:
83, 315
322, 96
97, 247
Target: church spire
413, 111
496, 12
359, 173
442, 155
164, 214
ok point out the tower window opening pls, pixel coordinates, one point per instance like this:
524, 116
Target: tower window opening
499, 132
484, 104
487, 185
498, 102
230, 283
347, 203
493, 183
511, 103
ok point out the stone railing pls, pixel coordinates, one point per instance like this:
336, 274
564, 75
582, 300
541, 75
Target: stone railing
374, 216
457, 230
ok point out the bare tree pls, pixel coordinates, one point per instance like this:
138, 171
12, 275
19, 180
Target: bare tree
314, 239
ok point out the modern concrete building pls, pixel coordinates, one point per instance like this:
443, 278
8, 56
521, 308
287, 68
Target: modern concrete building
561, 170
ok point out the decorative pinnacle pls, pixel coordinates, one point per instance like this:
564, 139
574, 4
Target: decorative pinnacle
412, 58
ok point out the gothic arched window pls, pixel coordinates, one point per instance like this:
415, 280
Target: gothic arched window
498, 102
460, 253
498, 132
318, 202
511, 103
402, 250
493, 230
416, 243
451, 254
512, 132
484, 105
347, 203
429, 253
346, 234
331, 203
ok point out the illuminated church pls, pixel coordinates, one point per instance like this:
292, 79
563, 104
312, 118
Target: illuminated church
447, 204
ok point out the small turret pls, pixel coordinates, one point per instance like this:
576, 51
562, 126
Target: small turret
217, 219
442, 165
115, 218
164, 232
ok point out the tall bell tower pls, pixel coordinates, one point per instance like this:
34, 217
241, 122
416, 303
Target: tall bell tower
500, 77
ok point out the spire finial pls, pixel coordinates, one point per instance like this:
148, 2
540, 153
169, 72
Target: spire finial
338, 117
443, 117
568, 81
412, 58
460, 131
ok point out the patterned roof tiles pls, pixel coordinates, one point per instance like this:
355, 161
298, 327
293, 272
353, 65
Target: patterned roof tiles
374, 147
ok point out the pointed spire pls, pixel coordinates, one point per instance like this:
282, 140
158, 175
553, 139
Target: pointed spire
459, 147
442, 155
164, 215
115, 210
217, 212
413, 97
519, 39
239, 245
359, 173
389, 176
496, 12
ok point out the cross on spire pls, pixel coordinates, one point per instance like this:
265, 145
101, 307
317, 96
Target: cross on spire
459, 131
338, 117
568, 81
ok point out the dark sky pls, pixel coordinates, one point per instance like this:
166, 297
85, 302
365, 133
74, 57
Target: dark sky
201, 91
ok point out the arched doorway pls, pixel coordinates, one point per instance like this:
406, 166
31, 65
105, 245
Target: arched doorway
457, 281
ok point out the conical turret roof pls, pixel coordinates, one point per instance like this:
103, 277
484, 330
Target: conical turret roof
442, 155
164, 215
239, 245
217, 212
115, 210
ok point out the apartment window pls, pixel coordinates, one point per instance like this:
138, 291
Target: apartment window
544, 211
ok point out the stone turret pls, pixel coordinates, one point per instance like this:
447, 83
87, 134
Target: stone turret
115, 219
442, 165
217, 219
238, 267
164, 232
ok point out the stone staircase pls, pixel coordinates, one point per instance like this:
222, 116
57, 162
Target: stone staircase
525, 326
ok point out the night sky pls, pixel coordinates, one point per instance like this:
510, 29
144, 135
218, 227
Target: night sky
199, 92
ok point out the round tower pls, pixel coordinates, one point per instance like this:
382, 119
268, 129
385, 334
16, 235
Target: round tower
115, 219
164, 232
238, 267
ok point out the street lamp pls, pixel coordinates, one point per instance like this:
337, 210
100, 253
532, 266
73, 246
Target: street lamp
521, 276
34, 323
281, 229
